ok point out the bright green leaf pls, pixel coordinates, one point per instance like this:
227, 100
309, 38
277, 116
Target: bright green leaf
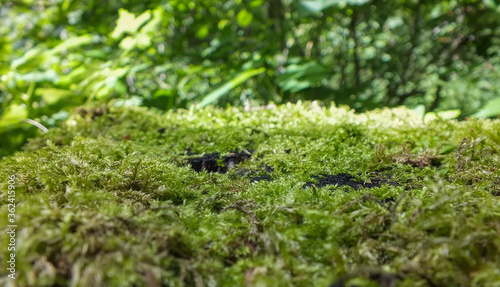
133, 101
444, 115
31, 54
203, 32
73, 77
308, 7
490, 3
256, 3
449, 115
491, 109
51, 95
128, 23
420, 111
44, 76
128, 43
143, 40
152, 25
244, 18
214, 96
72, 43
13, 114
297, 77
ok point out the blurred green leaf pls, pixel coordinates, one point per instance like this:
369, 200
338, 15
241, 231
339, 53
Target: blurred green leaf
307, 7
449, 115
133, 101
157, 18
490, 3
128, 23
444, 115
491, 109
244, 18
53, 95
76, 42
29, 55
297, 77
143, 41
44, 76
214, 96
14, 114
420, 111
128, 43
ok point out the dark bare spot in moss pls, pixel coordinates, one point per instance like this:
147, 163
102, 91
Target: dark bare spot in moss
259, 178
388, 200
496, 187
92, 112
63, 265
210, 162
344, 179
262, 173
207, 162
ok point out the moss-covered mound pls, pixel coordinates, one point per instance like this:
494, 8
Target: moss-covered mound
293, 196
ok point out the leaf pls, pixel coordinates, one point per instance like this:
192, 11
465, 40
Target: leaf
72, 43
491, 109
308, 7
244, 18
74, 76
443, 115
301, 76
449, 115
419, 111
490, 4
38, 56
128, 43
156, 20
256, 3
45, 76
143, 40
13, 114
314, 6
31, 54
214, 96
128, 23
138, 68
203, 32
133, 101
51, 95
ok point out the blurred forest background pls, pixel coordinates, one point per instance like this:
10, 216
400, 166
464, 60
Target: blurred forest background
58, 54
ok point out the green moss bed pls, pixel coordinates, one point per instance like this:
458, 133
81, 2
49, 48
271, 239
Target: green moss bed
297, 195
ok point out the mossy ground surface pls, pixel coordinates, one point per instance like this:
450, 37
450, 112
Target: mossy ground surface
110, 199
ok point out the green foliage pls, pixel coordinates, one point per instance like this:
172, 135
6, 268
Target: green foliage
108, 199
174, 54
492, 108
214, 96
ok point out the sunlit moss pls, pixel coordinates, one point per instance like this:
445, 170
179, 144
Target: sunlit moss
111, 200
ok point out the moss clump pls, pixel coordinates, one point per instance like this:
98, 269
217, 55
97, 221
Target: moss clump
110, 199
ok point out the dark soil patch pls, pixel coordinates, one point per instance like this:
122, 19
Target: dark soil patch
93, 112
496, 187
259, 178
344, 179
257, 175
210, 162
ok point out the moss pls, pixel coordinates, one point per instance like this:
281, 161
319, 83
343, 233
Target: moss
109, 199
